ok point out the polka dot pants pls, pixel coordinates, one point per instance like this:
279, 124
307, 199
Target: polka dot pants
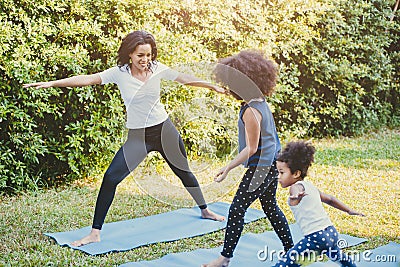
257, 183
324, 241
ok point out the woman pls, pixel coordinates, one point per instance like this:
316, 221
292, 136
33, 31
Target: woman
138, 75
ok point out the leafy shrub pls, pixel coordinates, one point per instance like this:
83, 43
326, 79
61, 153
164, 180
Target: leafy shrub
49, 135
338, 59
344, 74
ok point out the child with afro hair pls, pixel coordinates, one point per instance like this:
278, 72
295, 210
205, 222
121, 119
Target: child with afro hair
250, 77
305, 201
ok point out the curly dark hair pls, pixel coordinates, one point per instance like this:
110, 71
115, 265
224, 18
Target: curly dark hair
131, 41
247, 71
298, 156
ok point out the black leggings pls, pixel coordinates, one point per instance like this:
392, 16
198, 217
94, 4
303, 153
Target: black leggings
163, 138
258, 182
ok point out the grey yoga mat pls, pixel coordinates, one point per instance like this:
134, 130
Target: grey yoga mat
169, 226
255, 250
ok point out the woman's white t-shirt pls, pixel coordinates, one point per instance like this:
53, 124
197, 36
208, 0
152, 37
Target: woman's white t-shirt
141, 99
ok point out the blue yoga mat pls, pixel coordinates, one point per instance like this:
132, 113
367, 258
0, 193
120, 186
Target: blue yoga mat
170, 226
255, 250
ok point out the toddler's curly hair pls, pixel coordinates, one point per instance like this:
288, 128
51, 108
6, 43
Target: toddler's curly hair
298, 155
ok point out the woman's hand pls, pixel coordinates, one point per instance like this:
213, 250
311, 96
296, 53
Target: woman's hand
74, 81
218, 89
38, 85
188, 79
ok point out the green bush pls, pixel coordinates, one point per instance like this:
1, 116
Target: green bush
344, 75
394, 52
338, 62
337, 58
50, 135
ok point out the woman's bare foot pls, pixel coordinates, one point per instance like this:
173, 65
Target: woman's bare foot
220, 262
93, 237
208, 214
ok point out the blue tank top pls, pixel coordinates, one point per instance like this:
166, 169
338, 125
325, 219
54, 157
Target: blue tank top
268, 144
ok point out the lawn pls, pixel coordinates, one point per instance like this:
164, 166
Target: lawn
363, 172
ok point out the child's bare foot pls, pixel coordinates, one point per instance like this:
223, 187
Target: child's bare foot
208, 214
220, 262
93, 237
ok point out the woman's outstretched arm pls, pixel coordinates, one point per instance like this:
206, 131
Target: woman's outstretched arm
75, 81
191, 80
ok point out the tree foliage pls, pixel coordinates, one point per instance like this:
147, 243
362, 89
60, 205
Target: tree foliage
338, 61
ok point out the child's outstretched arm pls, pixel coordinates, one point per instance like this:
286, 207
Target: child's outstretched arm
336, 203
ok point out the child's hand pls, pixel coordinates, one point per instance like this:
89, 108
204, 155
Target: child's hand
221, 175
353, 212
299, 196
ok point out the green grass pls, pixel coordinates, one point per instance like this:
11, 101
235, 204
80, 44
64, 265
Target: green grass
363, 172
